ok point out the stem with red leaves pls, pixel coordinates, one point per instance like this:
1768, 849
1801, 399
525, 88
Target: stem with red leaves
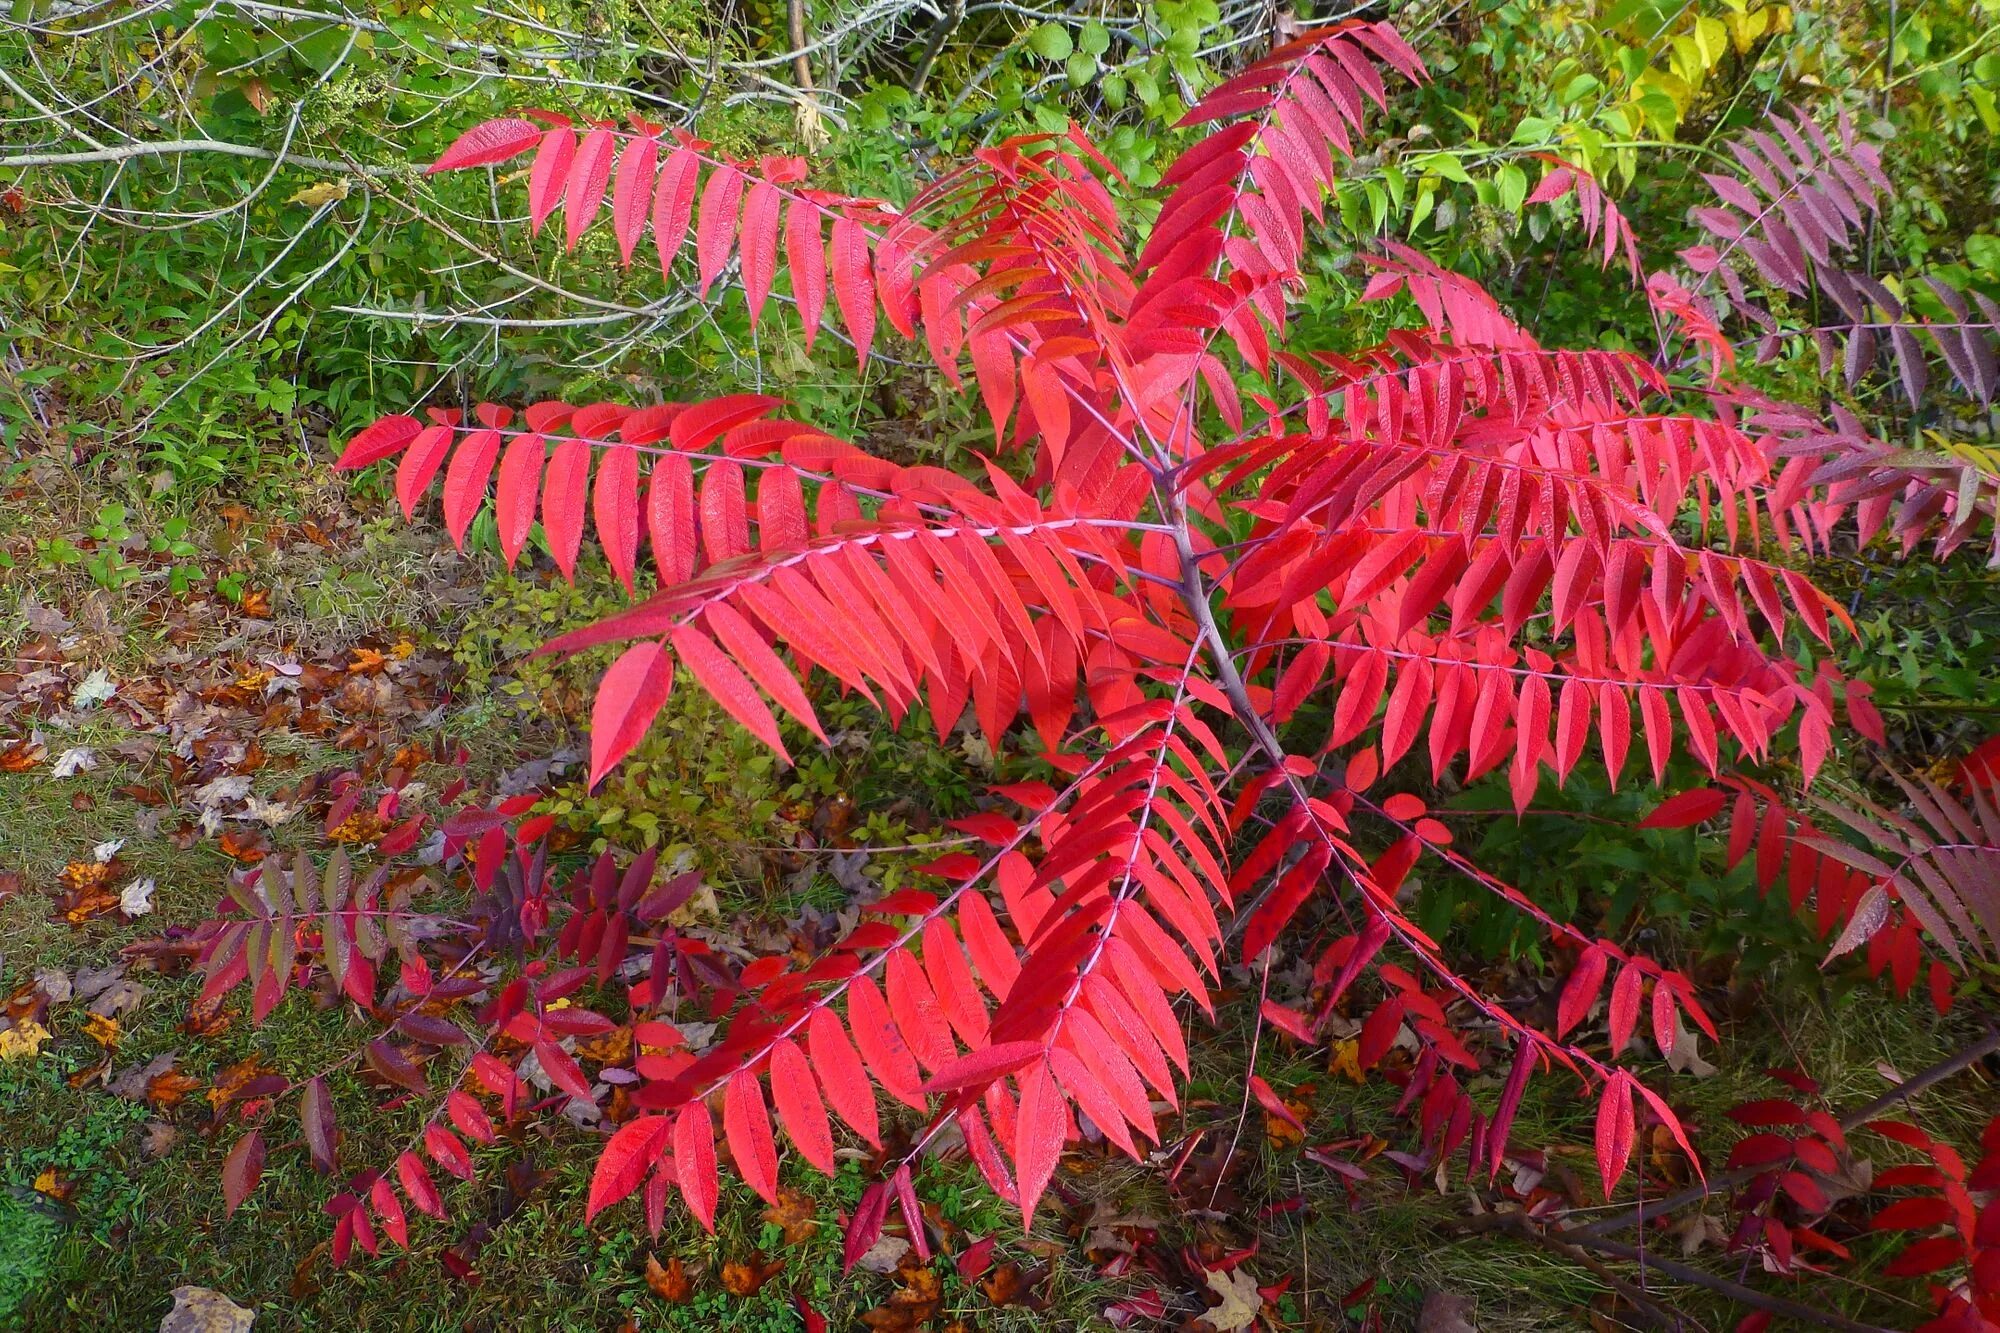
1902, 1092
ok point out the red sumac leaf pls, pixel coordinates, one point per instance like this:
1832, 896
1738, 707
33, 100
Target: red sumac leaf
1687, 808
242, 1168
316, 1119
416, 1181
1580, 992
747, 1124
446, 1150
488, 143
694, 1162
373, 443
800, 1109
627, 1157
1615, 1130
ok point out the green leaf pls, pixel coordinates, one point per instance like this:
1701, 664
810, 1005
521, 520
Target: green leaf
1095, 39
1446, 165
1080, 69
1051, 41
1512, 183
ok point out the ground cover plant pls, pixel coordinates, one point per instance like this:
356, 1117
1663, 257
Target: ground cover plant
1271, 589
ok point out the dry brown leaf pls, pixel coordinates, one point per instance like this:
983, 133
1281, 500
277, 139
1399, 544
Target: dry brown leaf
607, 1048
1010, 1284
1239, 1300
795, 1215
747, 1277
55, 1185
670, 1283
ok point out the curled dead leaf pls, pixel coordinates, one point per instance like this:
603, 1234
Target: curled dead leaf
669, 1281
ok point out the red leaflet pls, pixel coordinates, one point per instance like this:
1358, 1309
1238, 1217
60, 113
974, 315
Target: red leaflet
715, 228
614, 506
748, 1125
1041, 1125
562, 1070
725, 512
882, 1046
729, 687
694, 1162
486, 144
800, 1109
382, 1198
853, 285
562, 503
514, 507
1274, 1105
842, 1077
670, 521
548, 179
1580, 992
316, 1119
415, 1178
976, 1069
1624, 1015
465, 481
700, 425
1615, 1130
447, 1151
632, 193
419, 465
1686, 808
1918, 1214
673, 204
631, 1153
865, 1228
383, 439
805, 254
588, 178
242, 1168
629, 696
760, 245
748, 648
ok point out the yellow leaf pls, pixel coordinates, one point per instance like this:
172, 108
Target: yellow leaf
1713, 40
23, 1042
104, 1031
326, 192
1346, 1060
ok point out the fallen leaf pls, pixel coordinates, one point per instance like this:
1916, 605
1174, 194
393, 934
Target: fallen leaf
20, 756
747, 1277
55, 1185
916, 1300
166, 1091
136, 898
669, 1283
1010, 1284
77, 759
1239, 1300
104, 1031
1685, 1057
795, 1215
23, 1041
1446, 1312
199, 1310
